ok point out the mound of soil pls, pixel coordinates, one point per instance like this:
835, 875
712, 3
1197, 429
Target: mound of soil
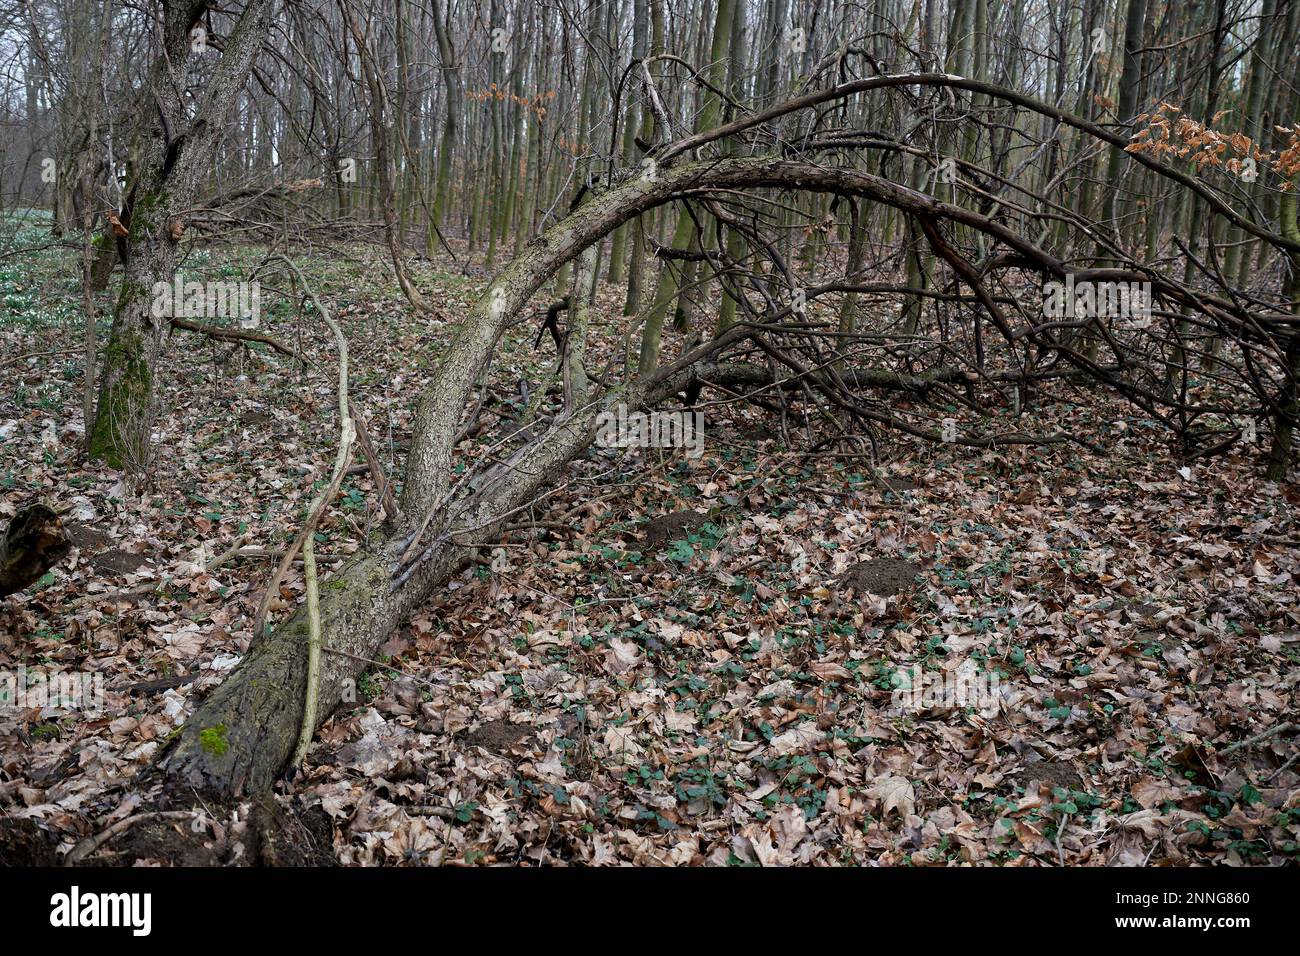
277, 832
297, 836
158, 841
899, 485
254, 419
498, 735
94, 547
759, 433
117, 561
663, 530
881, 576
275, 835
87, 538
1055, 773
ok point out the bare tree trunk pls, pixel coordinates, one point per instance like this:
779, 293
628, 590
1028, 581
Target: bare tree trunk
381, 132
447, 144
1279, 456
173, 162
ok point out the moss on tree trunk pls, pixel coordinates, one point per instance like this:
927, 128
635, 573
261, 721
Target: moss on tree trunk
120, 432
244, 732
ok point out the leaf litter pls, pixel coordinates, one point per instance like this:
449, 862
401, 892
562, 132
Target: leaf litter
687, 661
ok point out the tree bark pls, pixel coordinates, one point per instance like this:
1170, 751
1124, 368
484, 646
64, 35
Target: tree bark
451, 119
172, 165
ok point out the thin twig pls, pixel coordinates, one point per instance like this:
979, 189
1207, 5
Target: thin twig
1250, 741
382, 485
341, 459
313, 655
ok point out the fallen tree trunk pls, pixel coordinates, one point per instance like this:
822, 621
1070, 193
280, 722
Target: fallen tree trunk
239, 738
32, 544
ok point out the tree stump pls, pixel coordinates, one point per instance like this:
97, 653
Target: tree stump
32, 544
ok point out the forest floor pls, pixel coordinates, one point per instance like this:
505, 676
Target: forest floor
687, 664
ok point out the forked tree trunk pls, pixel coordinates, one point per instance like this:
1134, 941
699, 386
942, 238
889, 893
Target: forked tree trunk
173, 163
242, 734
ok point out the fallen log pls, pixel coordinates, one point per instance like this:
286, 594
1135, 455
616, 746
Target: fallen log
238, 740
240, 737
32, 544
